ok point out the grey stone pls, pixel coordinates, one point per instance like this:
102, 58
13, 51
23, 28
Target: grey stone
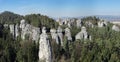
44, 47
68, 34
60, 35
115, 28
78, 23
102, 23
82, 34
54, 35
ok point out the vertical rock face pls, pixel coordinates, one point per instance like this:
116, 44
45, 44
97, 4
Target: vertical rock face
60, 21
12, 30
115, 28
16, 30
22, 24
35, 34
44, 47
79, 23
29, 31
54, 35
83, 34
68, 34
102, 23
60, 35
26, 31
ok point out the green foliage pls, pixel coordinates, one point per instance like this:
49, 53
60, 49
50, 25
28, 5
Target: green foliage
41, 20
92, 19
28, 52
9, 17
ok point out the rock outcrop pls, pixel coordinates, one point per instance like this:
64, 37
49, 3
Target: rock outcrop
60, 35
83, 34
78, 23
54, 35
44, 47
115, 28
28, 31
68, 34
102, 23
14, 30
89, 24
35, 34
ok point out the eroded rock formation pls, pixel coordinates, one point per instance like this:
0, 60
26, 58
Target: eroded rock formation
83, 34
60, 35
68, 34
115, 28
54, 35
44, 47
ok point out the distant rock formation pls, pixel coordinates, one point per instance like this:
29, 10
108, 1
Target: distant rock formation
89, 24
68, 34
115, 28
82, 34
14, 30
35, 34
102, 23
78, 23
54, 35
29, 31
44, 47
60, 35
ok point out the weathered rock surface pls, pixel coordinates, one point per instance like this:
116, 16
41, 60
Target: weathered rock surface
89, 24
54, 35
115, 28
60, 35
68, 34
35, 34
102, 23
44, 47
79, 23
16, 30
83, 34
12, 30
28, 31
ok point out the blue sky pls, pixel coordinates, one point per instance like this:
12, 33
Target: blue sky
62, 8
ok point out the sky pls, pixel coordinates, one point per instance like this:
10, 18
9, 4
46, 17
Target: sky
62, 8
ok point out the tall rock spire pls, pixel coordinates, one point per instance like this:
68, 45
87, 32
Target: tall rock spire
44, 47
